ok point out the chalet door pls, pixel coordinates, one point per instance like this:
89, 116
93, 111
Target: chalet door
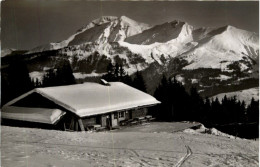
130, 114
98, 119
108, 122
127, 115
104, 121
114, 120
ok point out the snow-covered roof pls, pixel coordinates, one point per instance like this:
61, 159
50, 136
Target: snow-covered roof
40, 115
92, 98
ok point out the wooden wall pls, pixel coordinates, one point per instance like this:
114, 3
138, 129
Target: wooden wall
102, 119
140, 112
89, 121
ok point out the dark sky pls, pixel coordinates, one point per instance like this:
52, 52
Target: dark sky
26, 24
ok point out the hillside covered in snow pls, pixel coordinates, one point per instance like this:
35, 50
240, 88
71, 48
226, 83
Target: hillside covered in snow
241, 95
44, 148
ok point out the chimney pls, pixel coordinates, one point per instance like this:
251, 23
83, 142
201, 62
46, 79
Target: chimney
104, 82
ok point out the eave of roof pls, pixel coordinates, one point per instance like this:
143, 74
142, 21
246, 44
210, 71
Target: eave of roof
40, 115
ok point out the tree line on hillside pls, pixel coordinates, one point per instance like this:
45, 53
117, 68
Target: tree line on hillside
117, 73
180, 105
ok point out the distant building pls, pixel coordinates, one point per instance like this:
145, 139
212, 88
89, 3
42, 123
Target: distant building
77, 107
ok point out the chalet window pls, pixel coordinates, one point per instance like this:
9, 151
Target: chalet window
121, 114
115, 115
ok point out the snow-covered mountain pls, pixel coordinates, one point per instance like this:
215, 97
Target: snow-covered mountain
103, 30
200, 56
223, 46
201, 48
177, 30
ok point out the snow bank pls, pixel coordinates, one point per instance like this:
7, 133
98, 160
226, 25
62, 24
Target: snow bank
202, 129
222, 77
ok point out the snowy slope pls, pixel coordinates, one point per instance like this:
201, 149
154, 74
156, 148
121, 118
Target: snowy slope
245, 95
162, 33
45, 148
133, 57
96, 57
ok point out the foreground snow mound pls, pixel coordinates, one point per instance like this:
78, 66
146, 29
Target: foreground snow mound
216, 132
202, 129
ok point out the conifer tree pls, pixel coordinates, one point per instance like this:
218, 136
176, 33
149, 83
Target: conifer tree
110, 68
138, 82
216, 107
161, 111
122, 72
242, 112
253, 111
207, 112
62, 75
109, 76
116, 72
196, 103
37, 83
18, 78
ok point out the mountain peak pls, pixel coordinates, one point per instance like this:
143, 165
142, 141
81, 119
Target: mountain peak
176, 21
104, 19
108, 18
108, 29
229, 27
133, 22
124, 18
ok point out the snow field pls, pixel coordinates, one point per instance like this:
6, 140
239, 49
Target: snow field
36, 147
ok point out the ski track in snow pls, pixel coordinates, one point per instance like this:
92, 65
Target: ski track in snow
183, 159
187, 155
